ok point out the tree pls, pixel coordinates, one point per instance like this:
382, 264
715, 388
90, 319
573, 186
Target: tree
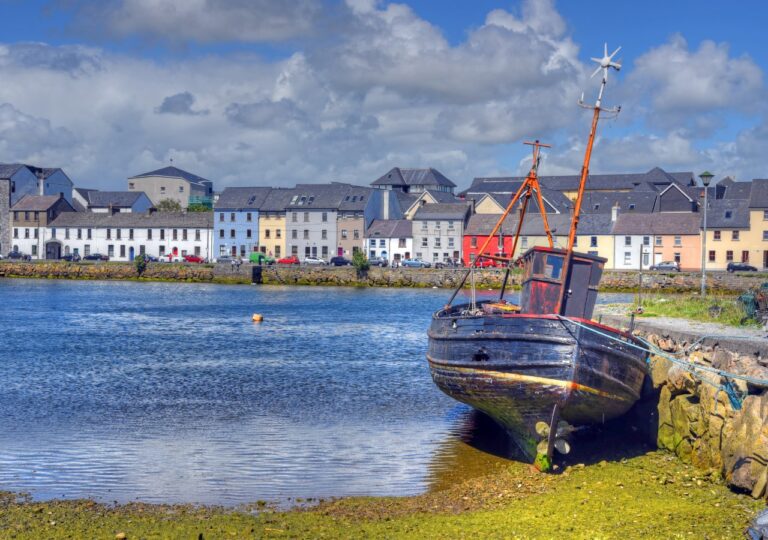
198, 207
168, 205
141, 264
361, 264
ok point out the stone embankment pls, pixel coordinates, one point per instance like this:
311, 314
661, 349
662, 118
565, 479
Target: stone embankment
693, 415
375, 277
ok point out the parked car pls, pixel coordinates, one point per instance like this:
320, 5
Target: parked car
378, 261
257, 257
72, 257
669, 266
416, 263
19, 256
193, 259
740, 267
95, 257
314, 260
340, 261
224, 259
449, 263
293, 259
150, 258
486, 263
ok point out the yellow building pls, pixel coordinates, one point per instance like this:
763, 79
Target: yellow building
729, 238
272, 224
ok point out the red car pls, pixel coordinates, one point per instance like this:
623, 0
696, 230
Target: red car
485, 263
289, 260
193, 259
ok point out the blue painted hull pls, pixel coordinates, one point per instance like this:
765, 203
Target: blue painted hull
516, 368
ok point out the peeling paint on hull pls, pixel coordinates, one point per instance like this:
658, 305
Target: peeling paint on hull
515, 368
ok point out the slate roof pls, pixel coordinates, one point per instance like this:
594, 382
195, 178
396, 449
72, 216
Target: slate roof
242, 198
84, 192
738, 190
758, 197
442, 211
174, 172
355, 199
684, 223
602, 202
277, 200
135, 220
717, 211
410, 177
9, 169
118, 199
317, 196
505, 188
35, 203
482, 224
390, 228
441, 196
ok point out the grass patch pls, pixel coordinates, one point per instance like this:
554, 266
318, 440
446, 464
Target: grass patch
714, 308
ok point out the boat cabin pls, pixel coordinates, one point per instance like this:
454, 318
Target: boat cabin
549, 287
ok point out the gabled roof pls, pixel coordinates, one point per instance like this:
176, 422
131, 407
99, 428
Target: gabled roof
483, 224
413, 177
390, 228
36, 203
728, 214
136, 220
503, 189
355, 199
659, 224
317, 197
174, 172
276, 200
242, 198
118, 199
442, 211
602, 202
758, 197
9, 169
677, 188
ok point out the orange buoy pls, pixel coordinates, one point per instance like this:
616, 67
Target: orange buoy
257, 317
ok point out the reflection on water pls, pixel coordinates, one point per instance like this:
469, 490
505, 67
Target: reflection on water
168, 393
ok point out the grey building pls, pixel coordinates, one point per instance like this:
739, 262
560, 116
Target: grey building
438, 231
414, 181
174, 184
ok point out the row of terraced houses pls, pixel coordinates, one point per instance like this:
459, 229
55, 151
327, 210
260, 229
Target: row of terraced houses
633, 220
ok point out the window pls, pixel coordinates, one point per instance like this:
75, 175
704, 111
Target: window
294, 234
646, 240
131, 185
627, 258
729, 255
678, 241
231, 233
658, 240
111, 250
66, 233
37, 216
765, 215
575, 240
424, 242
26, 216
181, 189
524, 242
325, 252
266, 233
277, 252
86, 249
437, 224
184, 234
437, 242
593, 241
221, 233
278, 233
197, 235
149, 234
306, 234
36, 233
175, 233
130, 234
450, 224
162, 251
728, 214
109, 234
734, 235
118, 234
248, 216
162, 234
382, 243
325, 217
424, 225
15, 232
765, 235
745, 256
677, 258
294, 217
142, 250
34, 249
79, 234
356, 234
627, 240
324, 235
716, 235
711, 256
221, 216
306, 217
450, 242
344, 234
473, 242
162, 189
89, 233
53, 232
632, 206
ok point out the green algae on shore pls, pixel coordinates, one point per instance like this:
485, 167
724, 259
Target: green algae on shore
652, 495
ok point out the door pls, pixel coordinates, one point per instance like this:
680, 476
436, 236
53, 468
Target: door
657, 258
340, 252
130, 253
765, 259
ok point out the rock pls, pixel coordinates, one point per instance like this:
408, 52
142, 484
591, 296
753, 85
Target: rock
121, 536
659, 369
681, 381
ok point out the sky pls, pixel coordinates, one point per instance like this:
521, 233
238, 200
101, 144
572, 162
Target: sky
274, 93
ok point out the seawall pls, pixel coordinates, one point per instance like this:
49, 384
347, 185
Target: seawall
693, 416
375, 277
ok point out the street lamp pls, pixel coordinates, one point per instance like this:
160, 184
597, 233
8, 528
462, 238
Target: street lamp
706, 178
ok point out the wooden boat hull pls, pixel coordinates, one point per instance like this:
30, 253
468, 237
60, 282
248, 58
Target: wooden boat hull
516, 368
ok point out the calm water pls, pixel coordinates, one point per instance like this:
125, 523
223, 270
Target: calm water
169, 393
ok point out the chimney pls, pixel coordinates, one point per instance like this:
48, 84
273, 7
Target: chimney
385, 204
113, 210
615, 212
61, 194
151, 211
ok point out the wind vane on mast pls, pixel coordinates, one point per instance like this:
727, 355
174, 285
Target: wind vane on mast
605, 63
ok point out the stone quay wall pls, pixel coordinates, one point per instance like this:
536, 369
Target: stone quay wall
693, 418
375, 277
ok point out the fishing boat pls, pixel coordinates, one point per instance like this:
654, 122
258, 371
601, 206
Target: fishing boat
541, 368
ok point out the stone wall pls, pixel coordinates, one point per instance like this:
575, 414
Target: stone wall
376, 277
692, 417
5, 216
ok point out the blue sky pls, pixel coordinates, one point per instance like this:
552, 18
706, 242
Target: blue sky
259, 92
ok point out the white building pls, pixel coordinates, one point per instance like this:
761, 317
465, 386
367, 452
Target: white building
438, 231
391, 239
93, 200
121, 236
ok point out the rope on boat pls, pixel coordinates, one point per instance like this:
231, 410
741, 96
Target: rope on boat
735, 397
